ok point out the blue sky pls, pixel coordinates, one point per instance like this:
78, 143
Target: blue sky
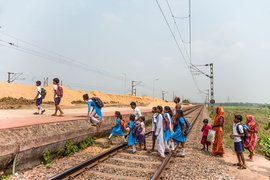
116, 36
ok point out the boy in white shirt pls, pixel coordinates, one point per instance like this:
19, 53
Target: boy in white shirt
136, 111
238, 133
38, 99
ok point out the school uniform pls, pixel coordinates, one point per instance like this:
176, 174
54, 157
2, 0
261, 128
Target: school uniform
177, 136
39, 97
117, 130
167, 133
57, 98
159, 134
137, 113
238, 143
131, 139
95, 110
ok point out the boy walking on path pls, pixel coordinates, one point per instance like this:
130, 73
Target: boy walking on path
58, 94
136, 110
39, 98
238, 133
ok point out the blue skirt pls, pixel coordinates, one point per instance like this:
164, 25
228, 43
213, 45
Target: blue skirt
117, 131
131, 140
167, 135
178, 137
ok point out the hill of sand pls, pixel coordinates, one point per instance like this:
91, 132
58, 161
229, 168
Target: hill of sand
28, 92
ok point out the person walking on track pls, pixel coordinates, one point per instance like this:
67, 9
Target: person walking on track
159, 133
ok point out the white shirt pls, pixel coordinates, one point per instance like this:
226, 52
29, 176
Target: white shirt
55, 87
241, 130
39, 92
154, 121
137, 113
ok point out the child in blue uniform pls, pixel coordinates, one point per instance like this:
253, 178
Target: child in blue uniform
167, 128
117, 129
93, 110
178, 135
132, 141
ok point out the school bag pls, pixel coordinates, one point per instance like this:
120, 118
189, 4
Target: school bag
187, 127
136, 131
123, 124
244, 138
98, 102
166, 123
59, 91
43, 93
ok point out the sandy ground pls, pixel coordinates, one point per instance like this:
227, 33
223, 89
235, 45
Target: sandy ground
29, 92
259, 169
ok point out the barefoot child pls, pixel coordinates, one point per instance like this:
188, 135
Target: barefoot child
40, 92
93, 110
117, 129
159, 134
58, 94
205, 130
132, 141
141, 137
238, 133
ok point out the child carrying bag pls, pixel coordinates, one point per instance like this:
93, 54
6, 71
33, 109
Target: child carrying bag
211, 135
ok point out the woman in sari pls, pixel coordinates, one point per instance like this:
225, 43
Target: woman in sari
251, 140
218, 127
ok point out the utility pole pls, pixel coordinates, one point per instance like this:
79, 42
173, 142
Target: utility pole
46, 82
212, 85
163, 95
154, 86
133, 85
14, 76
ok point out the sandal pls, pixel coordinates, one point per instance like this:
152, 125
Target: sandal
242, 167
237, 164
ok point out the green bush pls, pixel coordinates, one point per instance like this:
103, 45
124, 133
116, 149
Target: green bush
69, 149
47, 157
265, 145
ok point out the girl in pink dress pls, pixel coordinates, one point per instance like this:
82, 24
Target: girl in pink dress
205, 130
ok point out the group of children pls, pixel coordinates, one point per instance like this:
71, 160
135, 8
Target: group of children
168, 129
41, 94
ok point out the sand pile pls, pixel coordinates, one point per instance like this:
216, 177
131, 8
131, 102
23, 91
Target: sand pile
72, 97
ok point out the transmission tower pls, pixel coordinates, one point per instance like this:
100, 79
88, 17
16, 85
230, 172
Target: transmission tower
14, 76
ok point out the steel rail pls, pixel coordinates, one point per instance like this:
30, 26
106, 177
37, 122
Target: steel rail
67, 174
165, 162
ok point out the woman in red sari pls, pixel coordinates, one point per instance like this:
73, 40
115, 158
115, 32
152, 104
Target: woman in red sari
251, 140
218, 127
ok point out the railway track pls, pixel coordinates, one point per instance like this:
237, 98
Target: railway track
118, 163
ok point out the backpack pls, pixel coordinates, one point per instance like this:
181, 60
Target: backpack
187, 127
43, 93
166, 123
244, 138
59, 91
98, 102
136, 131
123, 124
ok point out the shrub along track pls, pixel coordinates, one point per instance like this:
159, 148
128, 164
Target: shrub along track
118, 163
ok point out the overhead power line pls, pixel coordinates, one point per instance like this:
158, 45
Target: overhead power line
177, 44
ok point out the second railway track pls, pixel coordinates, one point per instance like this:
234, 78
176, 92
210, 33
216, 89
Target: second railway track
118, 163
